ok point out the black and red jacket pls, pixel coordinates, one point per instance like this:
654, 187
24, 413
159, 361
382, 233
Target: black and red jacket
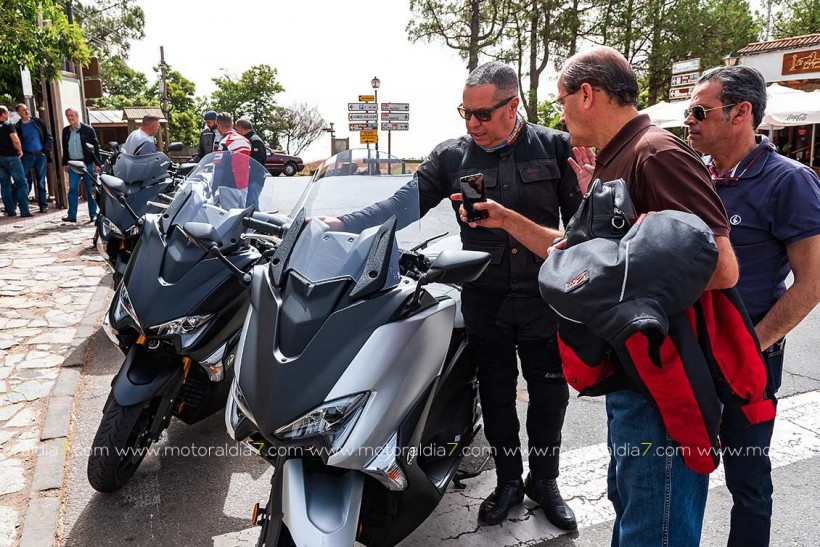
633, 315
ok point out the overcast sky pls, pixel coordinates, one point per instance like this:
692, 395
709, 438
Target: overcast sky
326, 53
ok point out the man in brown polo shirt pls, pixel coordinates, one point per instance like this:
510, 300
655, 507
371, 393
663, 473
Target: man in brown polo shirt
656, 497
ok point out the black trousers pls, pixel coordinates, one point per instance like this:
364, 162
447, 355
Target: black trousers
500, 328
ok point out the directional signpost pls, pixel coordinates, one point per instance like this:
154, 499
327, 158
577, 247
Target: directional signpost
395, 126
364, 126
369, 137
395, 116
364, 116
685, 75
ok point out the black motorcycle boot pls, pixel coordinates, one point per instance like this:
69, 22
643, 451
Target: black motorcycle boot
506, 495
545, 493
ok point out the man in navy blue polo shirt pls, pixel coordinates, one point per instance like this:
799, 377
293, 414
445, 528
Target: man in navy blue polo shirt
773, 204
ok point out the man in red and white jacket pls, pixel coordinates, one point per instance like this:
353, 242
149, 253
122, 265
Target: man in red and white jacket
234, 151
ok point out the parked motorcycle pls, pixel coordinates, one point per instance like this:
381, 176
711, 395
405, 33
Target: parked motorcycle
176, 316
148, 179
351, 377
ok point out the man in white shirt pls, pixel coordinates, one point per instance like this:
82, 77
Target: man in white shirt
141, 141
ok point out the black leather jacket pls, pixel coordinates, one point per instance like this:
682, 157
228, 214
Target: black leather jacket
531, 177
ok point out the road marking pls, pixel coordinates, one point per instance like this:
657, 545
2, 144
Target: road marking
583, 484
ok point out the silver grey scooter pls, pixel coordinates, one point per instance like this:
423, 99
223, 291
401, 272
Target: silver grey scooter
351, 376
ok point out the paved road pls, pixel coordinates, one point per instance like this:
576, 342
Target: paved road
200, 488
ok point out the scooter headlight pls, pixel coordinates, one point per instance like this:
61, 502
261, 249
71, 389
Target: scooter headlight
181, 326
109, 228
124, 306
333, 420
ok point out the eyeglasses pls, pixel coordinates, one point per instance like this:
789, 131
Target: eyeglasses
482, 114
558, 104
700, 113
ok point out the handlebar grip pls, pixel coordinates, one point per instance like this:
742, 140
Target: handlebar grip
263, 227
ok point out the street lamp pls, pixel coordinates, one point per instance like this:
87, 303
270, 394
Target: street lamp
332, 138
731, 59
375, 82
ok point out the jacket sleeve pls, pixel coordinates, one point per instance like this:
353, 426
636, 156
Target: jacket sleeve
569, 194
48, 140
65, 145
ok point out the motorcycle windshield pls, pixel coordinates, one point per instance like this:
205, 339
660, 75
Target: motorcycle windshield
218, 183
348, 199
146, 169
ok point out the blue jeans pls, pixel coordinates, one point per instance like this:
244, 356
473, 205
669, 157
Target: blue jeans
254, 189
16, 192
658, 501
38, 163
749, 470
74, 192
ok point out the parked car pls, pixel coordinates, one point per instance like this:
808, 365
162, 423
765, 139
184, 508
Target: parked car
278, 162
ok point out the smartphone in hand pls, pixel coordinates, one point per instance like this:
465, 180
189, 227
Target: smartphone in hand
473, 191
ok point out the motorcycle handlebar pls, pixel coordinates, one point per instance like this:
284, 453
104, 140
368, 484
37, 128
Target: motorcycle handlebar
266, 227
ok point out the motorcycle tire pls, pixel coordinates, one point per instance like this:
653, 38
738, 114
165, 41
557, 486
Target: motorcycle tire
284, 539
121, 443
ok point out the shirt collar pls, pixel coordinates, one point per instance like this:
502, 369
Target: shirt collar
745, 167
632, 129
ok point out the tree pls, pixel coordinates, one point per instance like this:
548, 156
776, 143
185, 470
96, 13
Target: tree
252, 94
796, 18
468, 26
122, 85
183, 115
27, 44
110, 25
301, 126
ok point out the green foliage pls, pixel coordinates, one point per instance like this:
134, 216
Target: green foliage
467, 26
110, 25
252, 94
548, 116
24, 43
796, 18
183, 116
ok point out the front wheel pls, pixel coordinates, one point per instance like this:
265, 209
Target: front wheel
290, 169
121, 443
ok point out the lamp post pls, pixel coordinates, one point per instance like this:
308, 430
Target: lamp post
375, 82
731, 59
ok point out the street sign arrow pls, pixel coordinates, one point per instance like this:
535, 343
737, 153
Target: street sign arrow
358, 107
362, 117
395, 126
367, 98
396, 107
395, 117
362, 126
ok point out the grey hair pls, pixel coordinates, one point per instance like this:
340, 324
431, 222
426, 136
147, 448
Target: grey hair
495, 73
244, 123
69, 109
604, 68
3, 110
740, 83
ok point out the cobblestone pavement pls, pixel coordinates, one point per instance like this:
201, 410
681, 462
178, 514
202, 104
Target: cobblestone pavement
49, 276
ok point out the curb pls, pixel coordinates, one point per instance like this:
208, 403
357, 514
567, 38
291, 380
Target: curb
42, 514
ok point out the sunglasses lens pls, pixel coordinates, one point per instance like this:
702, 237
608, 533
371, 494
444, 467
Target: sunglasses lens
462, 112
483, 115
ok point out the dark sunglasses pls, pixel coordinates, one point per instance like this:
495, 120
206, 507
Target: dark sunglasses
700, 113
483, 114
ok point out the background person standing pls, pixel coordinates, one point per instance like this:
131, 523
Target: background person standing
258, 152
141, 140
209, 137
37, 143
13, 183
773, 204
75, 137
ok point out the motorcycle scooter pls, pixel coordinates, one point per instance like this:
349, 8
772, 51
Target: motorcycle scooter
351, 377
176, 316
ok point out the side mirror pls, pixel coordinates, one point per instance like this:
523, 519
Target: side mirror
114, 145
202, 235
89, 146
457, 266
77, 166
113, 186
175, 147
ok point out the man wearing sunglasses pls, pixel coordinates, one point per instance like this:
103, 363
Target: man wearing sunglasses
657, 499
773, 205
525, 168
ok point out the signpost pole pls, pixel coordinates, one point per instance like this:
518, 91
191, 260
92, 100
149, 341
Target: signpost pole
390, 157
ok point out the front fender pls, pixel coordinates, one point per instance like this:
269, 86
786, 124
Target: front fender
320, 508
144, 376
